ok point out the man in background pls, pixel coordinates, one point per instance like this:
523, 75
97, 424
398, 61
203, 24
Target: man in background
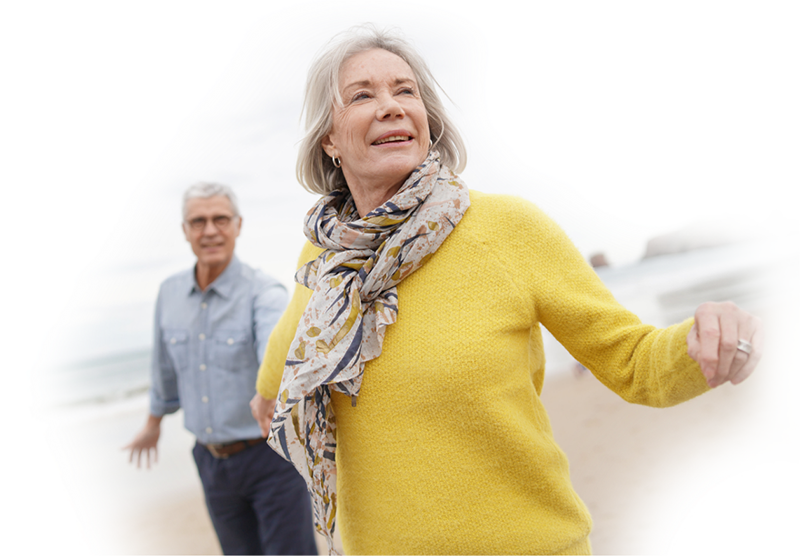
211, 328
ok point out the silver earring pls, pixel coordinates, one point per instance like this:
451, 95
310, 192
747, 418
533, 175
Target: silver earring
337, 162
431, 145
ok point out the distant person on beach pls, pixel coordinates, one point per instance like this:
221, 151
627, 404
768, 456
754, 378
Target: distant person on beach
211, 329
404, 379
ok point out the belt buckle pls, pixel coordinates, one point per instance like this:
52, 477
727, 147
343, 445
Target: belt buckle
211, 448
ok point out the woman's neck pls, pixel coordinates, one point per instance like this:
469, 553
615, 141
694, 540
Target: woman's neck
368, 197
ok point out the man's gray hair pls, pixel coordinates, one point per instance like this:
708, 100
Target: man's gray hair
315, 170
204, 190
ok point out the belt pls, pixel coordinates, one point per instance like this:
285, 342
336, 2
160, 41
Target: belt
224, 451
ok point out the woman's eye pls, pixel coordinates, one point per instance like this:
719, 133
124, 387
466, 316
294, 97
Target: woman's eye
406, 91
360, 96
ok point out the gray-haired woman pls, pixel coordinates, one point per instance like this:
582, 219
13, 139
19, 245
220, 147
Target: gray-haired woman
404, 377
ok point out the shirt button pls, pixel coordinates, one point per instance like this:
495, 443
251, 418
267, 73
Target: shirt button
205, 399
209, 430
204, 305
172, 341
202, 336
203, 367
230, 341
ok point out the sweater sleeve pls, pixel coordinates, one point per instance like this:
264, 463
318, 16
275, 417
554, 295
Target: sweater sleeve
641, 363
271, 371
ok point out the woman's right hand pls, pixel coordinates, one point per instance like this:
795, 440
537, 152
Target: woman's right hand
718, 330
262, 409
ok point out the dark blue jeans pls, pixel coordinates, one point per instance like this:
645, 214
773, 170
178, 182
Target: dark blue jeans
257, 501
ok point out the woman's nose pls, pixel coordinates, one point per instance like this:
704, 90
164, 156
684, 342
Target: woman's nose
389, 108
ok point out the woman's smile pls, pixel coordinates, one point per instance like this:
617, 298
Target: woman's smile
394, 138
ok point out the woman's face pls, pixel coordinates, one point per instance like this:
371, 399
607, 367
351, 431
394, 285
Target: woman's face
381, 133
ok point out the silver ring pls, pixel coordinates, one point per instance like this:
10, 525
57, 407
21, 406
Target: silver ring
745, 346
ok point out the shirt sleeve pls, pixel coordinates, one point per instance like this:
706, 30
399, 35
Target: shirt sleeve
271, 371
164, 388
641, 363
268, 306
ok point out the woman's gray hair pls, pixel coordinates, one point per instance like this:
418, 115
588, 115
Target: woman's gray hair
205, 190
315, 170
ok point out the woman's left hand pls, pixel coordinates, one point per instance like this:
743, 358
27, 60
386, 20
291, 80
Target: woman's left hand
719, 340
263, 410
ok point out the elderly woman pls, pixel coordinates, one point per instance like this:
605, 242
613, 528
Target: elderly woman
404, 379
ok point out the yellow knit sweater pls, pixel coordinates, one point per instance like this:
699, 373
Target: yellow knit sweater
449, 450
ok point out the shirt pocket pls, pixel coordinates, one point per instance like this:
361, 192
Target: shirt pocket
176, 342
233, 350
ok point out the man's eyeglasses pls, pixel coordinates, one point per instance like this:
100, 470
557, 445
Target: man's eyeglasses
220, 222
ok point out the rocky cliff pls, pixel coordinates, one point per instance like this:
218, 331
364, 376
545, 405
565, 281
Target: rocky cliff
717, 231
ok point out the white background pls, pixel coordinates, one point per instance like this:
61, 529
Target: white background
656, 112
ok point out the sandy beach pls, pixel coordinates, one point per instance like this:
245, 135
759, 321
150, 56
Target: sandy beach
637, 467
692, 478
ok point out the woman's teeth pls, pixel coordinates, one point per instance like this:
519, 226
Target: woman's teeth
392, 138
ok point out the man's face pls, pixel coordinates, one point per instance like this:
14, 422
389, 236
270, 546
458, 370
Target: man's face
212, 229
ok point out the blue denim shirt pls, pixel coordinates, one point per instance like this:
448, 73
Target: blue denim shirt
208, 346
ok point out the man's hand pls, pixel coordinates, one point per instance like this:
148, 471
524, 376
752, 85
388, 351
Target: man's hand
262, 409
714, 342
146, 440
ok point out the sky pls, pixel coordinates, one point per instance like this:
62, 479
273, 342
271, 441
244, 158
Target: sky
654, 112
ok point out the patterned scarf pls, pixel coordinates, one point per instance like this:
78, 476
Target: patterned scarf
354, 300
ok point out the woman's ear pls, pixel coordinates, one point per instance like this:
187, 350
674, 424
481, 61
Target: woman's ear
327, 146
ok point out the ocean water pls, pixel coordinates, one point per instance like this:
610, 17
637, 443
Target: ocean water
97, 380
112, 351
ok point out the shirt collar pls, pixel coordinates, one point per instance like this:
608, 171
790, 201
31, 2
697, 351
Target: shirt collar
224, 283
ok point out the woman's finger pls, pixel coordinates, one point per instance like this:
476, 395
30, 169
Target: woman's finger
757, 342
747, 328
708, 334
729, 328
739, 361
